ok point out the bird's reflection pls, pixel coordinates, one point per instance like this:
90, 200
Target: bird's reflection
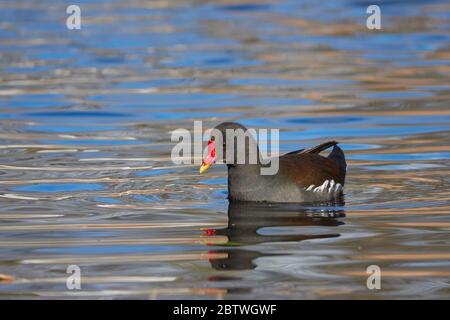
245, 221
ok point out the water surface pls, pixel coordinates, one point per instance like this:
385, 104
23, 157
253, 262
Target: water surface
85, 170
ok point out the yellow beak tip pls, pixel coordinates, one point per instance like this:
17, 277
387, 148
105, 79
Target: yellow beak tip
203, 168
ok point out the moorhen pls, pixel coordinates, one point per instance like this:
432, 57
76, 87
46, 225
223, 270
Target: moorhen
303, 175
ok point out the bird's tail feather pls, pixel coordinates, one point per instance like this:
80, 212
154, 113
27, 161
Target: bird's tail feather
320, 147
338, 155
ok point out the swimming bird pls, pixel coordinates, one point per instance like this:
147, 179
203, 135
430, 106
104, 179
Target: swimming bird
303, 175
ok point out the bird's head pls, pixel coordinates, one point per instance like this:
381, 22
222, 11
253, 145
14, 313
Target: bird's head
231, 142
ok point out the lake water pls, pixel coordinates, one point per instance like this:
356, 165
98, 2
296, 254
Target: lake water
86, 177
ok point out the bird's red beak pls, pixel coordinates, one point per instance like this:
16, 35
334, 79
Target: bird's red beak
210, 158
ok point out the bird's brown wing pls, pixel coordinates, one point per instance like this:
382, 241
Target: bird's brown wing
308, 169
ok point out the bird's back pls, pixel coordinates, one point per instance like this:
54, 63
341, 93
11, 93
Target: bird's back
302, 177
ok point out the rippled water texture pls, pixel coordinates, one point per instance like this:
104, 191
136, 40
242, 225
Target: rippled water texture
85, 170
